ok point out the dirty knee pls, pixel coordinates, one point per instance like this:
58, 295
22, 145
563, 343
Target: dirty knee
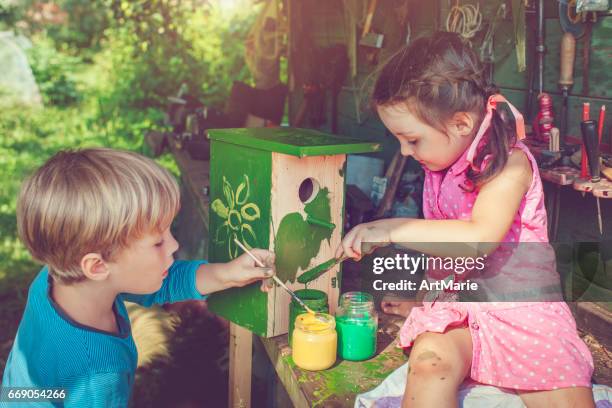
429, 364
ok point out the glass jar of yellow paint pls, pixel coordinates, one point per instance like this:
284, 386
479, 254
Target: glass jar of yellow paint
315, 341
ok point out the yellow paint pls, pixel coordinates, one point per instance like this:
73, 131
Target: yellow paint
315, 341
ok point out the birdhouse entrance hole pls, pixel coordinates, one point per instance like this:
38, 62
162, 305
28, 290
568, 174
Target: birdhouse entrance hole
308, 190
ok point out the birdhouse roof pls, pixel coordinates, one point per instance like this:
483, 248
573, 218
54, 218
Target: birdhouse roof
293, 141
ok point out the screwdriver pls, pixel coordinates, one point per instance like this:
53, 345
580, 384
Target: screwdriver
591, 143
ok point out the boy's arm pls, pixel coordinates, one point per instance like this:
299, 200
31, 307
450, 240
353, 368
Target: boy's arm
189, 280
98, 390
179, 285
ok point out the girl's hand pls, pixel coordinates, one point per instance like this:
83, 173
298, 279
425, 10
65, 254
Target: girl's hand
363, 239
244, 270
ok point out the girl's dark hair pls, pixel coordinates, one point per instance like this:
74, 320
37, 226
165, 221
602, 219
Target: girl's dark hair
437, 76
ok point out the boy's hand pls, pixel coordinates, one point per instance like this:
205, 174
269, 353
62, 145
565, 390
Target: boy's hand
244, 270
372, 235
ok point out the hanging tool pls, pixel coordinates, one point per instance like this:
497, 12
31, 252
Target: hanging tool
531, 21
566, 79
487, 56
602, 119
319, 270
569, 20
540, 45
591, 143
464, 20
584, 170
373, 41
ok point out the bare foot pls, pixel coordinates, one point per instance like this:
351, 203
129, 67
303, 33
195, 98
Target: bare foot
399, 307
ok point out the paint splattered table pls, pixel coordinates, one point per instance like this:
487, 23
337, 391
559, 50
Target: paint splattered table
337, 386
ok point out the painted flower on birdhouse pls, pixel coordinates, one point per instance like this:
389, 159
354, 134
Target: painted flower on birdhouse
236, 213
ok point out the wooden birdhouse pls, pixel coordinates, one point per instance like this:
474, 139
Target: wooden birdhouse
281, 189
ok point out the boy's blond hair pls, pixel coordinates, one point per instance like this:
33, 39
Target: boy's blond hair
92, 200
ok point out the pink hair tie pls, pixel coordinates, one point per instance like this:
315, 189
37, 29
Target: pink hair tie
486, 122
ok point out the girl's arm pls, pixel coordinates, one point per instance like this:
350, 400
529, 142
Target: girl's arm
494, 210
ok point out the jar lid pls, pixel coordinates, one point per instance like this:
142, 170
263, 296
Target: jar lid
315, 323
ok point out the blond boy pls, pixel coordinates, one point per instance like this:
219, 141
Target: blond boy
99, 219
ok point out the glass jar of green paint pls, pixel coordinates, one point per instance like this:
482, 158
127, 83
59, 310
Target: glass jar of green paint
356, 324
313, 298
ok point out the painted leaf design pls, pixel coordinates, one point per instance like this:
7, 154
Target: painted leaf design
250, 212
234, 219
248, 236
228, 193
220, 209
243, 191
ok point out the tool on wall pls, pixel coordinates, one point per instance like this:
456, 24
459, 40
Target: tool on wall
540, 45
536, 71
591, 143
487, 56
586, 108
465, 20
566, 79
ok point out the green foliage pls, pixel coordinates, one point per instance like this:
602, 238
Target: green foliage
84, 28
10, 13
53, 73
155, 46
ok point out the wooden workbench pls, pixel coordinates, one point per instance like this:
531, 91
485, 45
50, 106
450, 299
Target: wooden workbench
338, 385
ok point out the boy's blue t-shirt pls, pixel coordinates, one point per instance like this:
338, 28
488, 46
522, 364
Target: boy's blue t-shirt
96, 368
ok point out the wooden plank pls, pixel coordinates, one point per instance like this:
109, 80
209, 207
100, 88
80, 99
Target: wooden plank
288, 172
240, 367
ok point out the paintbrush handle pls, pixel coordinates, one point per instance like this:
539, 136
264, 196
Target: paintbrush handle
249, 253
293, 295
261, 264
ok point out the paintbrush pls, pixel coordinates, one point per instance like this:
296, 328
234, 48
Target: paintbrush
261, 264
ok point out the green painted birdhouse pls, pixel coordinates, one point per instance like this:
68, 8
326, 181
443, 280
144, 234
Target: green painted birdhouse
280, 189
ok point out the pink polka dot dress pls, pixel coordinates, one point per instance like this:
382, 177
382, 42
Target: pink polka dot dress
518, 345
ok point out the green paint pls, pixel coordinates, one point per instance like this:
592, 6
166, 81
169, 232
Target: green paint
314, 299
297, 242
317, 271
356, 324
293, 141
320, 223
240, 184
356, 337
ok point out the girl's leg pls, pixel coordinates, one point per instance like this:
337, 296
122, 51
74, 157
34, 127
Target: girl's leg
578, 397
439, 362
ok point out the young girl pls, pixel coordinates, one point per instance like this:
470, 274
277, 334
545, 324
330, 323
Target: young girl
481, 186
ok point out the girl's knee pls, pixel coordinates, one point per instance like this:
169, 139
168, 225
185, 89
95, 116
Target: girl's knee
430, 362
432, 357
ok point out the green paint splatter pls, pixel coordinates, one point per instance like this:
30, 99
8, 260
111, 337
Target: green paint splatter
298, 242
